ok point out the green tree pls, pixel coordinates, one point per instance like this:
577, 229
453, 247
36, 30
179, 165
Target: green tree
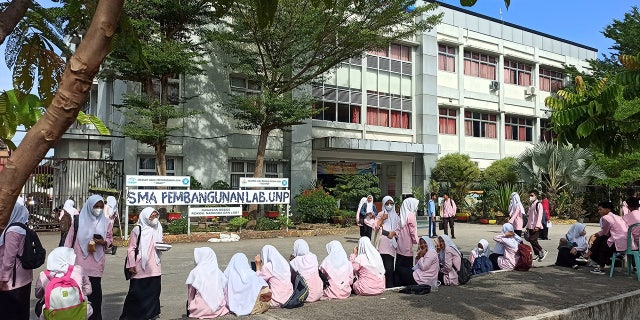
553, 168
502, 171
458, 172
621, 171
350, 188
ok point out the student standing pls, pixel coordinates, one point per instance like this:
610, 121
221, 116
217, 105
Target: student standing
360, 222
145, 285
111, 213
572, 246
450, 260
338, 271
388, 220
247, 293
449, 215
67, 214
368, 269
612, 237
546, 217
516, 213
504, 256
406, 235
306, 264
431, 212
206, 285
273, 268
89, 245
368, 210
15, 281
534, 225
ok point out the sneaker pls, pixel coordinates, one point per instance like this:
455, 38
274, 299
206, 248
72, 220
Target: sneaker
543, 255
597, 270
582, 259
575, 267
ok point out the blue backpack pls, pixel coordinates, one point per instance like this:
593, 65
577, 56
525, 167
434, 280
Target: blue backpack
482, 265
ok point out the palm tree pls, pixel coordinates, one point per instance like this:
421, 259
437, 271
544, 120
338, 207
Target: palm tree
554, 168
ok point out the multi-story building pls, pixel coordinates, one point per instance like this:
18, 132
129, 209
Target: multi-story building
474, 85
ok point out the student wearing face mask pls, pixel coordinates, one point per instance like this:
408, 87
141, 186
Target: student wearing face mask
143, 298
89, 237
534, 225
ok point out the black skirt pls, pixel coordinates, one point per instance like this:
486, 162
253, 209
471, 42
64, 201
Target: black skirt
565, 258
143, 299
14, 304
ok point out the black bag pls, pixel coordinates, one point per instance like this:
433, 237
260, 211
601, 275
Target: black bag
300, 293
416, 289
465, 272
127, 273
441, 225
33, 254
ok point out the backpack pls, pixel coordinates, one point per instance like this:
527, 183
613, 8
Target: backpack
481, 265
300, 293
33, 254
525, 259
465, 272
63, 298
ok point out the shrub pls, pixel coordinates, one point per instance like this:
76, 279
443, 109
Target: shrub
237, 223
178, 226
264, 224
315, 205
282, 220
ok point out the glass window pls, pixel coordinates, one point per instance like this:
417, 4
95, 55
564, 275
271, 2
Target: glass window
550, 81
482, 125
447, 121
241, 169
519, 129
517, 73
242, 85
147, 166
480, 65
446, 58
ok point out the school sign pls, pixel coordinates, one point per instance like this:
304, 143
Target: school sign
142, 197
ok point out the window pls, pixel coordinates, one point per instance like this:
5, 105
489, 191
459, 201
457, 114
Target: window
388, 118
447, 121
477, 124
241, 169
519, 129
395, 51
147, 166
173, 90
517, 73
550, 81
241, 85
342, 104
446, 58
480, 65
546, 134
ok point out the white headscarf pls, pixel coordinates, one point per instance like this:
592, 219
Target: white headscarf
207, 277
369, 204
113, 205
515, 203
430, 248
391, 223
150, 234
369, 257
279, 265
448, 243
486, 249
574, 235
243, 285
511, 242
20, 200
88, 225
19, 214
362, 202
339, 262
59, 260
304, 262
409, 207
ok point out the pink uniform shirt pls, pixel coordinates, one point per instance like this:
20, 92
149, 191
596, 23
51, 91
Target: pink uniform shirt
508, 260
281, 289
339, 284
449, 208
614, 226
407, 236
535, 216
198, 308
152, 269
428, 268
90, 266
516, 219
368, 284
13, 246
451, 260
631, 218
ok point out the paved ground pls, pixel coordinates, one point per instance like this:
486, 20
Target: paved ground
505, 295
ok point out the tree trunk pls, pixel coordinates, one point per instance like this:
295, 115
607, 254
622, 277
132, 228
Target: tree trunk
72, 92
10, 17
161, 160
257, 171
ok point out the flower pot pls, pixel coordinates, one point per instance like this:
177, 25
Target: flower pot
172, 216
484, 221
271, 214
462, 217
493, 221
245, 214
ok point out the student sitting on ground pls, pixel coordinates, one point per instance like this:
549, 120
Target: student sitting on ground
612, 237
427, 267
368, 269
504, 256
206, 298
338, 272
479, 258
273, 268
306, 264
246, 292
450, 260
572, 246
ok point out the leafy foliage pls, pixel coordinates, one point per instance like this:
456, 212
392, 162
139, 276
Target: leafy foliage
350, 188
315, 205
621, 171
502, 171
44, 180
238, 222
265, 224
268, 111
178, 226
458, 171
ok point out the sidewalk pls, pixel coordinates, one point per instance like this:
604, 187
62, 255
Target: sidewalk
504, 295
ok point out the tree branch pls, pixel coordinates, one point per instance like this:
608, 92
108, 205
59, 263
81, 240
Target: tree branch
10, 17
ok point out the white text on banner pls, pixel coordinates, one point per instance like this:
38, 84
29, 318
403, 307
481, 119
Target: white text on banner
138, 197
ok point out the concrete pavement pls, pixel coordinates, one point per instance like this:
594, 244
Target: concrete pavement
504, 295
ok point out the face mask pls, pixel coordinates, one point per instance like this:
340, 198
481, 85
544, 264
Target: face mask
389, 207
480, 250
532, 199
154, 222
96, 212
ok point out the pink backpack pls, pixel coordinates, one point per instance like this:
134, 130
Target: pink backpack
63, 298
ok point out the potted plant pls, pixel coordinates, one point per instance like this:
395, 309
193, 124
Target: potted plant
172, 216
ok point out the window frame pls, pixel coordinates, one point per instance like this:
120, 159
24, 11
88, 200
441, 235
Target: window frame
555, 80
518, 68
444, 51
446, 119
478, 59
478, 124
515, 127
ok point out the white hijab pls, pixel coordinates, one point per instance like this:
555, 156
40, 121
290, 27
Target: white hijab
113, 205
447, 243
19, 214
88, 225
338, 260
59, 260
430, 248
574, 235
150, 235
391, 223
304, 262
279, 265
362, 202
369, 257
207, 277
409, 207
369, 204
20, 200
514, 204
511, 242
486, 249
243, 285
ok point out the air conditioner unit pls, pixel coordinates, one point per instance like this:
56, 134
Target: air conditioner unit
494, 85
530, 91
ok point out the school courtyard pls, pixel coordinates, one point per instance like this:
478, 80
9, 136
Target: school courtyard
538, 293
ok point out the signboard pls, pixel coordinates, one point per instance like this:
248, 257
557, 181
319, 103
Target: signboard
264, 182
158, 181
215, 211
342, 167
140, 197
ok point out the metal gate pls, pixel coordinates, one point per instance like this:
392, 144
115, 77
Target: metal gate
58, 179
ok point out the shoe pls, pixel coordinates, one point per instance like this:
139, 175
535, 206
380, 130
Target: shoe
453, 237
575, 267
582, 260
597, 270
113, 250
543, 255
